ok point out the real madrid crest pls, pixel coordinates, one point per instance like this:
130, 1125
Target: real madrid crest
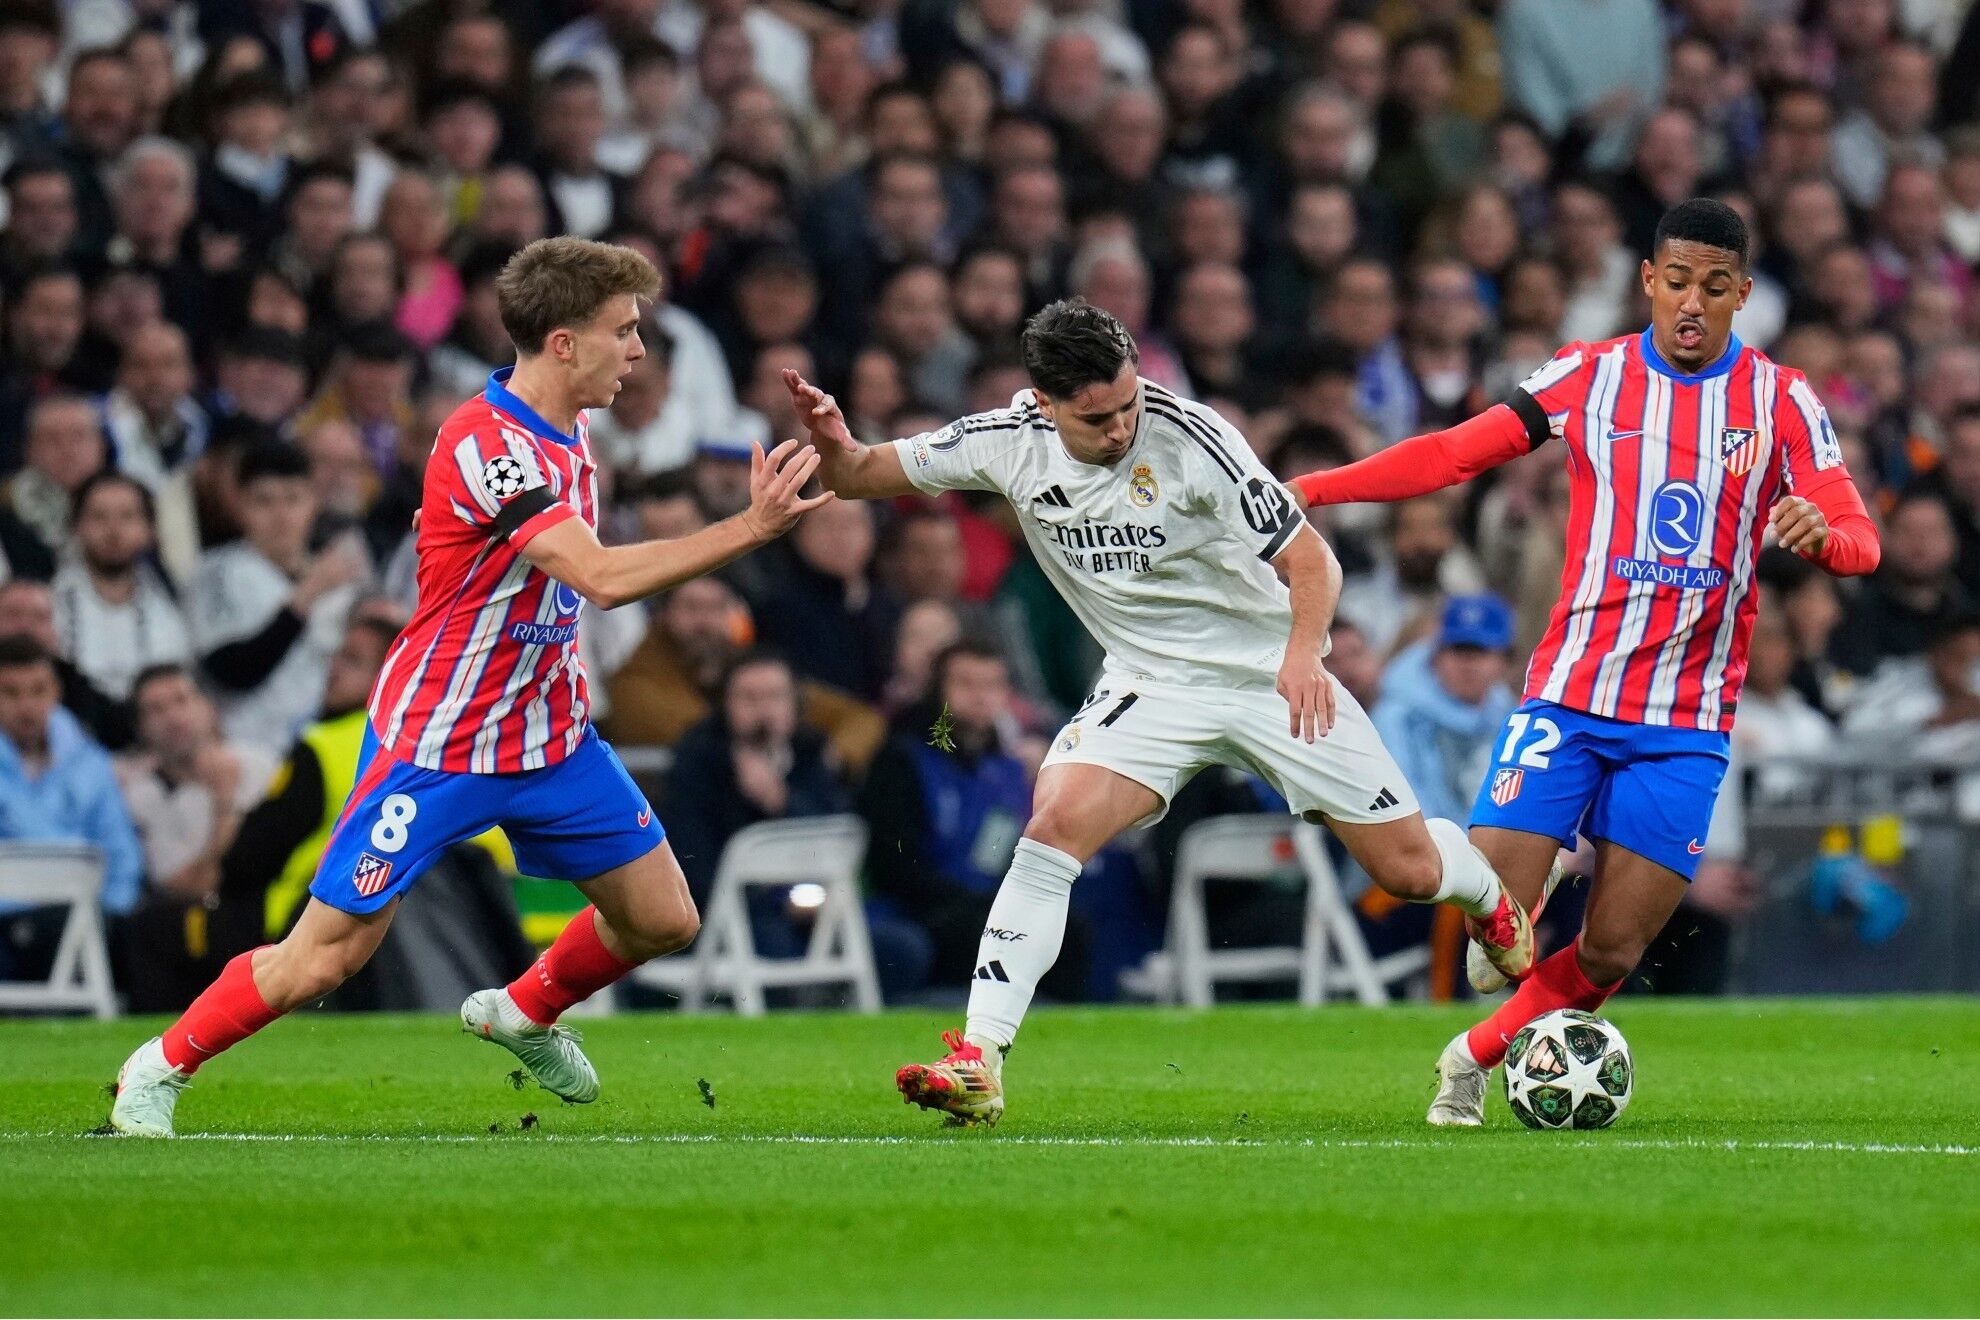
1070, 739
1143, 489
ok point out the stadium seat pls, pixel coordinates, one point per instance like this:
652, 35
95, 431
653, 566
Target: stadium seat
1331, 955
826, 851
61, 875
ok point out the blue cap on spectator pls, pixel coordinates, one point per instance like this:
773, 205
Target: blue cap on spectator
1483, 620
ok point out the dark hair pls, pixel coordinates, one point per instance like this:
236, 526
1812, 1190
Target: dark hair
163, 669
278, 460
965, 648
18, 650
33, 167
671, 484
384, 630
102, 477
376, 341
315, 172
562, 283
1706, 221
641, 49
750, 659
1071, 344
97, 55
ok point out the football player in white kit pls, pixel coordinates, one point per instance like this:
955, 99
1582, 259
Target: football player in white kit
1212, 596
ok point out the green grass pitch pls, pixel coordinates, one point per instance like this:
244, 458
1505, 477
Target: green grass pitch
1785, 1158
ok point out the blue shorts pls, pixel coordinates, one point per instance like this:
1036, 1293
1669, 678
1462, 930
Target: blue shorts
572, 821
1648, 788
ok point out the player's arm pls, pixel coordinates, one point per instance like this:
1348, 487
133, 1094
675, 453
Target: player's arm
1313, 579
1426, 463
846, 467
610, 576
1823, 520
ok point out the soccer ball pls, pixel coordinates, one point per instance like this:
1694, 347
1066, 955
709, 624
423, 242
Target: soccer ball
1568, 1069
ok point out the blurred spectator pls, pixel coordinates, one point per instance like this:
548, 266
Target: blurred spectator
956, 805
1956, 480
27, 609
671, 681
44, 328
65, 448
369, 385
1927, 704
751, 760
1591, 64
1910, 595
41, 217
56, 784
156, 430
1588, 244
187, 787
267, 612
824, 611
114, 615
1776, 722
1419, 563
1444, 703
262, 377
1892, 124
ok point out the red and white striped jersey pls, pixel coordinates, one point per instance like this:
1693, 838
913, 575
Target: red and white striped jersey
1672, 477
486, 678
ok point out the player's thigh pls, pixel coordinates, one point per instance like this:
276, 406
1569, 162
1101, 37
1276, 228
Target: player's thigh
645, 903
1630, 901
398, 818
1119, 761
1657, 803
1346, 777
581, 818
1547, 767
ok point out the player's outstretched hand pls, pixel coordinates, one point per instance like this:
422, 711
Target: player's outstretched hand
1799, 525
1309, 696
775, 480
819, 412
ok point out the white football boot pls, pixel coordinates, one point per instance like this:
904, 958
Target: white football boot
550, 1053
1478, 969
1461, 1083
147, 1091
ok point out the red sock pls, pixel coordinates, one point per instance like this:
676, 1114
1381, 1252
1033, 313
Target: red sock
225, 1014
1557, 982
574, 968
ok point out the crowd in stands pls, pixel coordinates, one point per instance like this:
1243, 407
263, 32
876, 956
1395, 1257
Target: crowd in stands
247, 265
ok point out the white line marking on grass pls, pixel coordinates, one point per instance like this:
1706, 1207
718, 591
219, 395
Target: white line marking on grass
1237, 1143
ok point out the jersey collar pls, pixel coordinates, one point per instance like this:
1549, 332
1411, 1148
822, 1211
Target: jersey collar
1655, 361
498, 396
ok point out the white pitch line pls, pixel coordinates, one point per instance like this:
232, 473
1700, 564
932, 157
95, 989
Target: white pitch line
921, 1142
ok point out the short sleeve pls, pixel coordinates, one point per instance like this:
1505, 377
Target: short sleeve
1555, 388
967, 454
497, 485
1807, 440
1253, 504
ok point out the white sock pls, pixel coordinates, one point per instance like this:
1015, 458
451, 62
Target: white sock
1020, 941
1469, 881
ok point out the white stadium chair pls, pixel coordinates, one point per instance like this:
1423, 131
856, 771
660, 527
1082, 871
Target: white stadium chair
61, 875
826, 851
1331, 954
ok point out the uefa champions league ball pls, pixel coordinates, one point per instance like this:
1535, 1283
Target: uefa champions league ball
1568, 1069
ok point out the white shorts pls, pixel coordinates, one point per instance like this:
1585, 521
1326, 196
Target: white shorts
1161, 736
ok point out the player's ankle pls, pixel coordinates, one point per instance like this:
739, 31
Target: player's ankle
993, 1049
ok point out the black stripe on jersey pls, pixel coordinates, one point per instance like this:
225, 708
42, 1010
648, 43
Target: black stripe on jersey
1279, 538
521, 509
1188, 427
1528, 410
1201, 426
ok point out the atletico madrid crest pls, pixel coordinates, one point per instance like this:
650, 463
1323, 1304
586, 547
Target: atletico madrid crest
1738, 448
371, 875
1505, 785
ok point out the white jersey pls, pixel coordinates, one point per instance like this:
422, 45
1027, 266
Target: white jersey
1165, 555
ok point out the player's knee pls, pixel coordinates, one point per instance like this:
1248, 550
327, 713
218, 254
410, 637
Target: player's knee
1608, 958
1413, 871
661, 932
1055, 826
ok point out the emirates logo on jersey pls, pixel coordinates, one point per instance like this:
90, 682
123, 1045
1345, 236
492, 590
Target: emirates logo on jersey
1739, 449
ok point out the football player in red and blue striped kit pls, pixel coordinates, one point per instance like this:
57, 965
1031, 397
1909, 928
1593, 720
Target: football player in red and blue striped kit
1683, 447
481, 715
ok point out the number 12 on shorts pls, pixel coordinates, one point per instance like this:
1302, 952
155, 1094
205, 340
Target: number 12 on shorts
1546, 737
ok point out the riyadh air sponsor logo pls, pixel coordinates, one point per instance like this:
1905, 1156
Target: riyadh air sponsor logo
1682, 576
542, 634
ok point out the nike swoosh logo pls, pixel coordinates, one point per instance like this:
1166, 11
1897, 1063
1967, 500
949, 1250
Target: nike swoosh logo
192, 1044
1624, 435
1694, 849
